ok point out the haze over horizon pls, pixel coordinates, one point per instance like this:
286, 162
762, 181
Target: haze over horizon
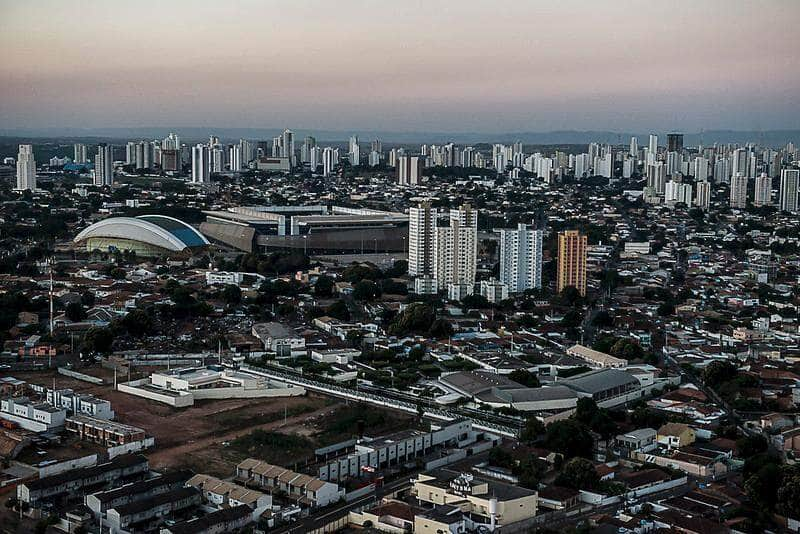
447, 67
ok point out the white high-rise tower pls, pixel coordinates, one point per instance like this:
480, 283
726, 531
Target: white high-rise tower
521, 258
104, 165
739, 191
80, 153
201, 164
763, 193
790, 182
355, 151
26, 169
421, 238
456, 248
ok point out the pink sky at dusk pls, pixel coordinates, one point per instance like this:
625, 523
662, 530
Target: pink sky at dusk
446, 66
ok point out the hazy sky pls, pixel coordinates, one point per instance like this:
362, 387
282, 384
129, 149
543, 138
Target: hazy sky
458, 65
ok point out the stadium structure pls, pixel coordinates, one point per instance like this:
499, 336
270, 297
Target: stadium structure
146, 235
312, 229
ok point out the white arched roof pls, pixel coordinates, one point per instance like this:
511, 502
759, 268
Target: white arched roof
142, 229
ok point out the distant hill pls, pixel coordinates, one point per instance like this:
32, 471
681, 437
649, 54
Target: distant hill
775, 138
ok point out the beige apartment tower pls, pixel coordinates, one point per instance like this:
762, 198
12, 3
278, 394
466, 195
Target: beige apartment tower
571, 261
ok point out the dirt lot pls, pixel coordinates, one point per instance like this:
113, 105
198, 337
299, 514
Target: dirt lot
198, 437
190, 437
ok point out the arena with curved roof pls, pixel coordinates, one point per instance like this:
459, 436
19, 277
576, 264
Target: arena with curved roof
146, 235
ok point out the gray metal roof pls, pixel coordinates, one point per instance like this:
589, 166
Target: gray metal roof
599, 380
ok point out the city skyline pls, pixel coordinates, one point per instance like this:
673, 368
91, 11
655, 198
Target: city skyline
471, 67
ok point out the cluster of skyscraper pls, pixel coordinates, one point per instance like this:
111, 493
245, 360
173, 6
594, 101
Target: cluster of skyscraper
739, 167
442, 255
673, 174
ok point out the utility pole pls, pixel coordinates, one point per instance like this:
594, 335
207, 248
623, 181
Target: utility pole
50, 262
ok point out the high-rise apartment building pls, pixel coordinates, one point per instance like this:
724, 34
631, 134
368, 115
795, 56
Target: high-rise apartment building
634, 148
678, 193
130, 153
739, 191
143, 155
571, 261
790, 183
421, 238
309, 143
456, 248
217, 157
104, 165
287, 150
171, 142
330, 159
170, 159
703, 197
763, 192
700, 169
674, 142
354, 152
521, 258
657, 177
652, 147
26, 169
739, 161
80, 153
201, 164
409, 170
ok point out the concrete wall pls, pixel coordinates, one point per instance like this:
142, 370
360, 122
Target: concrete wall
133, 446
80, 376
132, 388
457, 455
68, 465
241, 393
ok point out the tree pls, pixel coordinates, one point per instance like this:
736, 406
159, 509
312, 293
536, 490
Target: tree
338, 310
231, 294
137, 323
416, 318
571, 319
749, 446
75, 312
526, 378
718, 372
87, 299
627, 349
398, 268
365, 290
324, 286
358, 271
569, 296
665, 309
788, 496
570, 438
355, 337
579, 473
474, 301
596, 419
586, 410
532, 431
440, 328
763, 486
99, 340
500, 457
643, 416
